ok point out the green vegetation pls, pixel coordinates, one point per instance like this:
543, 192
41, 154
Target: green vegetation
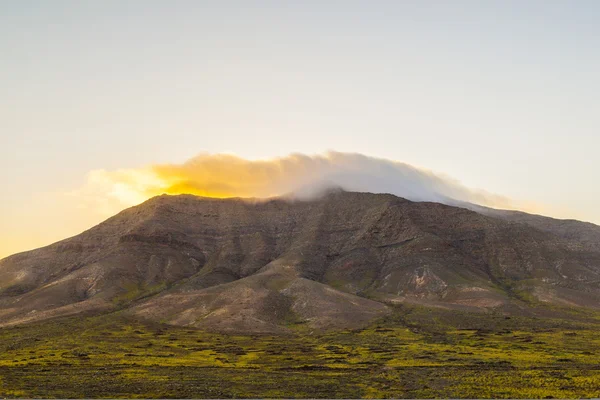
415, 352
137, 292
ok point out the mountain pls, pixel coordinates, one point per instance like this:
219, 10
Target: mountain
339, 261
580, 234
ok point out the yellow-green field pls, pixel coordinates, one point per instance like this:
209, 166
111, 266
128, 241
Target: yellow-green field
416, 352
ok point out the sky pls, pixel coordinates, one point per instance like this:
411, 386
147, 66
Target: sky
501, 96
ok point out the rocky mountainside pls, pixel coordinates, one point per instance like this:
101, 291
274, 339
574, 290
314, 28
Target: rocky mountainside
265, 266
579, 234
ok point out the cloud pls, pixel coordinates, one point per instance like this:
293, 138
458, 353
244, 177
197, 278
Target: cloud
224, 175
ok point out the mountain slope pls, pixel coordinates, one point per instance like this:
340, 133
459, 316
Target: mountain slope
580, 234
266, 266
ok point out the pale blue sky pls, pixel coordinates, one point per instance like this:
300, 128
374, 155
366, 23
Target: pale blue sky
502, 95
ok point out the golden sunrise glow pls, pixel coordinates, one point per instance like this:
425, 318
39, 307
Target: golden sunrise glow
222, 176
105, 192
105, 109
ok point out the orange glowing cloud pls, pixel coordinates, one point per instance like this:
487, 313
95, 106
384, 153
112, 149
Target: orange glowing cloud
220, 175
223, 175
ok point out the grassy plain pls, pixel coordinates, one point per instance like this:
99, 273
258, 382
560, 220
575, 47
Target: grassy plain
416, 352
